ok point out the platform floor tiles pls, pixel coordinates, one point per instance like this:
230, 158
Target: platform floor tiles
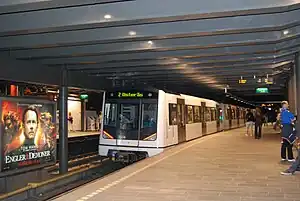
227, 166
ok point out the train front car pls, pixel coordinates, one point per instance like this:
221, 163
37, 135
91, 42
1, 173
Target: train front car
130, 126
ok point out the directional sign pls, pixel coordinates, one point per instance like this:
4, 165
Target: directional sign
262, 90
84, 96
242, 81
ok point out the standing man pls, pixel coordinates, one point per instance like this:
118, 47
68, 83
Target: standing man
258, 123
249, 122
287, 119
296, 164
71, 120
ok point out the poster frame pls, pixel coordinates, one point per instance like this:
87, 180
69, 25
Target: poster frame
34, 167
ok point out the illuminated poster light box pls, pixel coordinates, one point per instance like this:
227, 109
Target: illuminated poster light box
30, 137
262, 90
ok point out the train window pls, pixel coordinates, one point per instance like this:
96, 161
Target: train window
197, 115
207, 114
172, 114
213, 114
227, 114
233, 113
110, 114
238, 113
190, 114
149, 122
129, 121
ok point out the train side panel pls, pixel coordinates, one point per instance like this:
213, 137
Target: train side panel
211, 125
171, 132
194, 129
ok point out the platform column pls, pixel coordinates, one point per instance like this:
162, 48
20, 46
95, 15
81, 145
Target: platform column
295, 87
63, 122
83, 116
297, 80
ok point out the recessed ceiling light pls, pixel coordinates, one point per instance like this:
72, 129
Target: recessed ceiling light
132, 33
286, 32
107, 16
150, 42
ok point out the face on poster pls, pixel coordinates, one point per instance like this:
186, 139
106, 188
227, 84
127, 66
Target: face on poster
28, 134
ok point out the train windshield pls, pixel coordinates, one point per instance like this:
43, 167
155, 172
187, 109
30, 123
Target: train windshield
129, 122
136, 121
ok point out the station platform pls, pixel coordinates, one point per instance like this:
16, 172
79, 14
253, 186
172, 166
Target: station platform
227, 166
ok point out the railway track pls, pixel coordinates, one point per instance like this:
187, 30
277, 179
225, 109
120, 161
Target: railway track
83, 159
98, 170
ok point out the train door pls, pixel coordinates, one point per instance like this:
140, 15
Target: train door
238, 116
129, 123
229, 116
204, 125
222, 116
218, 117
181, 120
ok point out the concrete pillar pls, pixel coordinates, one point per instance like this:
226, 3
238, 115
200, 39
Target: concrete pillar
295, 89
63, 122
83, 116
291, 94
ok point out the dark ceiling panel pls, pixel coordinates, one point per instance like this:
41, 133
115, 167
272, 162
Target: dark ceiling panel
137, 10
200, 46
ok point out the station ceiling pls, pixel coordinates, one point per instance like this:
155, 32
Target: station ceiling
196, 47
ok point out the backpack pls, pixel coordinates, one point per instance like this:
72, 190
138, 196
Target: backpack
249, 117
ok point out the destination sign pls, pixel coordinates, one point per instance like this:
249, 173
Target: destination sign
132, 94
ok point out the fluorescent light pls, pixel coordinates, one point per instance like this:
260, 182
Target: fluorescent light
132, 33
107, 16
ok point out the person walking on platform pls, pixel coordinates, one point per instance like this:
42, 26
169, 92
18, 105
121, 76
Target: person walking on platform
287, 120
296, 164
277, 122
249, 122
258, 123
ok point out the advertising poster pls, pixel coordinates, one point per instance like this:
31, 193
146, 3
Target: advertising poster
28, 134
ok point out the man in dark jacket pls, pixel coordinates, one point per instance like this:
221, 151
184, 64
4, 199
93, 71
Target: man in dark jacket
258, 123
296, 164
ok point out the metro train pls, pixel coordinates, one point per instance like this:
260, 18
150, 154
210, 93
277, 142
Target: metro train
140, 124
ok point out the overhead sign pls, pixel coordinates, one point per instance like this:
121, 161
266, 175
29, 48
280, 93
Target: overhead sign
269, 80
242, 81
262, 90
132, 94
